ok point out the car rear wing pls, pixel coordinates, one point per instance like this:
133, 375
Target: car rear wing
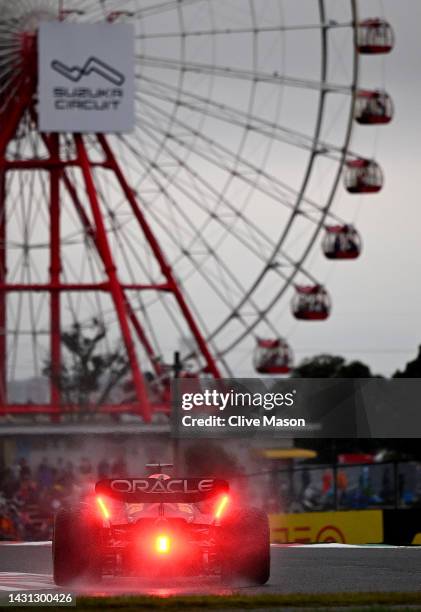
155, 490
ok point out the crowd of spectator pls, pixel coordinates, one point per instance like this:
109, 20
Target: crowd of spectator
30, 495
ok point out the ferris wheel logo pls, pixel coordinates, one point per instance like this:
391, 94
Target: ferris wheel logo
93, 65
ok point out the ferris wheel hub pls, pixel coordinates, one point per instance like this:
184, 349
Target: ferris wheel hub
20, 24
25, 18
30, 22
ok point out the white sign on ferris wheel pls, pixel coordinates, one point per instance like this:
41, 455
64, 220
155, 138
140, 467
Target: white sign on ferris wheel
86, 77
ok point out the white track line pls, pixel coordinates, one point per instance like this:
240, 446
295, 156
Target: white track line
296, 544
322, 545
25, 543
340, 545
19, 581
319, 545
277, 545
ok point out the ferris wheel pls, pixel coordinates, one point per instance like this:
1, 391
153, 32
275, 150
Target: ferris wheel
194, 226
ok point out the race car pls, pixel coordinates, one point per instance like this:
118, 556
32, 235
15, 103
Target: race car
161, 527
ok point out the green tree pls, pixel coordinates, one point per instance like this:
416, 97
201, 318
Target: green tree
412, 368
87, 375
331, 366
354, 369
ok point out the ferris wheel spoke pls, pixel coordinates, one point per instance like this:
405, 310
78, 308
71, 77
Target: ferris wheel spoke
68, 272
232, 279
252, 326
124, 244
11, 92
296, 267
34, 340
241, 74
152, 10
243, 239
40, 212
252, 170
246, 30
21, 217
272, 302
217, 154
214, 153
251, 123
105, 253
93, 299
185, 188
151, 332
234, 214
149, 166
17, 325
210, 250
168, 309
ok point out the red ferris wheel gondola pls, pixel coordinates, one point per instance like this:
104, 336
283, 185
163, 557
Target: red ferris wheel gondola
373, 107
341, 242
311, 303
363, 176
375, 36
272, 356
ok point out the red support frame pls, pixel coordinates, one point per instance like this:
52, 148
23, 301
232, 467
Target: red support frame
129, 321
116, 290
55, 273
10, 119
211, 366
156, 365
153, 358
3, 300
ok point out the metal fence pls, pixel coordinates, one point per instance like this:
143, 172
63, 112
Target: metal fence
339, 487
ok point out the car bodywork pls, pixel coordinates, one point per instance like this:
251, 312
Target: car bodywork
161, 527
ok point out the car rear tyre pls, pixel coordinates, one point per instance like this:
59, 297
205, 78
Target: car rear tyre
76, 548
245, 547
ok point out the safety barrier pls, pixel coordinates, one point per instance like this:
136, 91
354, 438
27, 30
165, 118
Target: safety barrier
398, 527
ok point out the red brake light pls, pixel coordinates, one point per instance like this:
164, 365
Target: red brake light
103, 508
162, 544
222, 504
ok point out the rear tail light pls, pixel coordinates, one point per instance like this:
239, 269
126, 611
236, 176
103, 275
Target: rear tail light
221, 506
162, 544
104, 510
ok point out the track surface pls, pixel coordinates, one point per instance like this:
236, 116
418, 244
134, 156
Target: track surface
295, 569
